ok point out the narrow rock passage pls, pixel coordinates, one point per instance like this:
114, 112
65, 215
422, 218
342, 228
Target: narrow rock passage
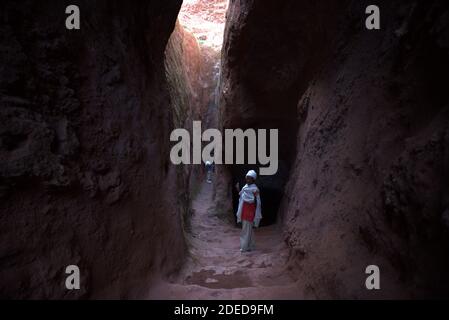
216, 269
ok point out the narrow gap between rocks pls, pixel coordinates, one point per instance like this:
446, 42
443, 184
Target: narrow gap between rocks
215, 267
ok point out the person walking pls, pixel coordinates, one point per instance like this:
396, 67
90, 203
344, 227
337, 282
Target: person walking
209, 169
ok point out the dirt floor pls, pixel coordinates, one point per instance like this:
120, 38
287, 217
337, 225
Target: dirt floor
216, 269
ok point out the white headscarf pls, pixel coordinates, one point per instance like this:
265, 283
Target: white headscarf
252, 174
250, 193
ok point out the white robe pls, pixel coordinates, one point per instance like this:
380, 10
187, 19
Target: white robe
247, 195
247, 242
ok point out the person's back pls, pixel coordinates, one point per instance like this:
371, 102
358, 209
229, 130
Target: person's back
209, 171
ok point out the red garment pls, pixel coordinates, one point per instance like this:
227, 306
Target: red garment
248, 211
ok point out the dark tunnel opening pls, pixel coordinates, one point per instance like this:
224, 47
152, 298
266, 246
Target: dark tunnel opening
271, 186
271, 190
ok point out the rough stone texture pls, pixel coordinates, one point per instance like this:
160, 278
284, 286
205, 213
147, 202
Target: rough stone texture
368, 169
183, 63
193, 73
85, 176
186, 74
271, 50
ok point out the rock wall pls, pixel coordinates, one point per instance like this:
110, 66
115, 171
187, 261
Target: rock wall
363, 119
270, 53
85, 176
183, 64
185, 69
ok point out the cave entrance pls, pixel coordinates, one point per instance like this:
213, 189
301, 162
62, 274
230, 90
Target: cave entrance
271, 192
271, 186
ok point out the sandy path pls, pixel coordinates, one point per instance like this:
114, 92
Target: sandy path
216, 269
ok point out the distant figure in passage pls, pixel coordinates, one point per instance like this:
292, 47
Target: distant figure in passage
249, 211
209, 168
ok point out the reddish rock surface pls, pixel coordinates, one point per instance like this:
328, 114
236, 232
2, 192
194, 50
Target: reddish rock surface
188, 80
85, 176
205, 20
192, 71
184, 67
363, 119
